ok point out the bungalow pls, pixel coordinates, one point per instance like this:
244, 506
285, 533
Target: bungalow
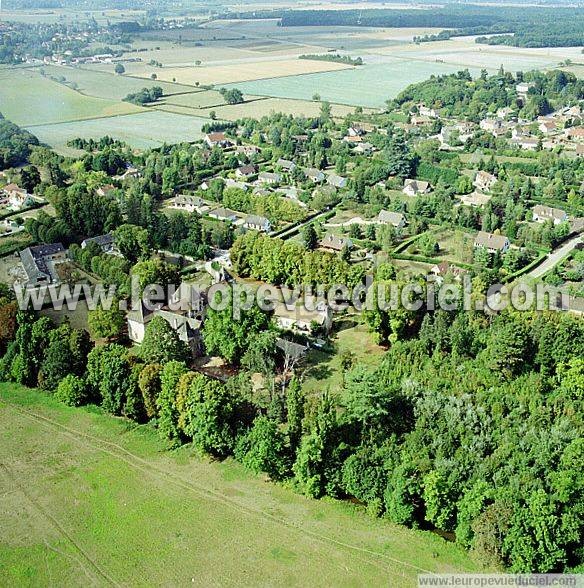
217, 140
542, 214
223, 214
484, 181
415, 187
396, 219
35, 261
246, 171
336, 181
270, 178
286, 165
257, 223
493, 243
315, 175
335, 244
302, 320
105, 242
190, 204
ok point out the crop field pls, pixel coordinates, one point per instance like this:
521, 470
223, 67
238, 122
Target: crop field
92, 500
204, 99
244, 71
106, 84
27, 98
368, 85
150, 128
264, 106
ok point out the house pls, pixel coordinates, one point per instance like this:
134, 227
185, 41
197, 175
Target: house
257, 223
36, 262
315, 175
335, 244
547, 126
493, 243
396, 219
504, 112
131, 172
353, 139
247, 150
542, 214
105, 191
230, 183
186, 325
575, 133
523, 87
302, 320
217, 140
580, 150
419, 121
429, 112
495, 126
526, 142
190, 203
364, 148
270, 178
246, 171
443, 269
484, 181
355, 131
105, 242
18, 198
336, 181
223, 214
286, 165
475, 199
415, 187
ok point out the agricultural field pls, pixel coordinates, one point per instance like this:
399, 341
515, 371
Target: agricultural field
257, 106
92, 500
243, 71
367, 85
27, 98
147, 129
106, 84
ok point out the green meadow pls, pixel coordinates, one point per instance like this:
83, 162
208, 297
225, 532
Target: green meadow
89, 499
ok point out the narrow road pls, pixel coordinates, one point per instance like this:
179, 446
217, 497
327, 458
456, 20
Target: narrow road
555, 257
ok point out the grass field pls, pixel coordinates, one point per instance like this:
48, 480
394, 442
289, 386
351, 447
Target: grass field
27, 98
147, 129
93, 500
106, 84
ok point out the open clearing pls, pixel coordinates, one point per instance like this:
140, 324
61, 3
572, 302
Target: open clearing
93, 500
150, 128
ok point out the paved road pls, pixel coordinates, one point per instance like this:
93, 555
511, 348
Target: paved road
555, 257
